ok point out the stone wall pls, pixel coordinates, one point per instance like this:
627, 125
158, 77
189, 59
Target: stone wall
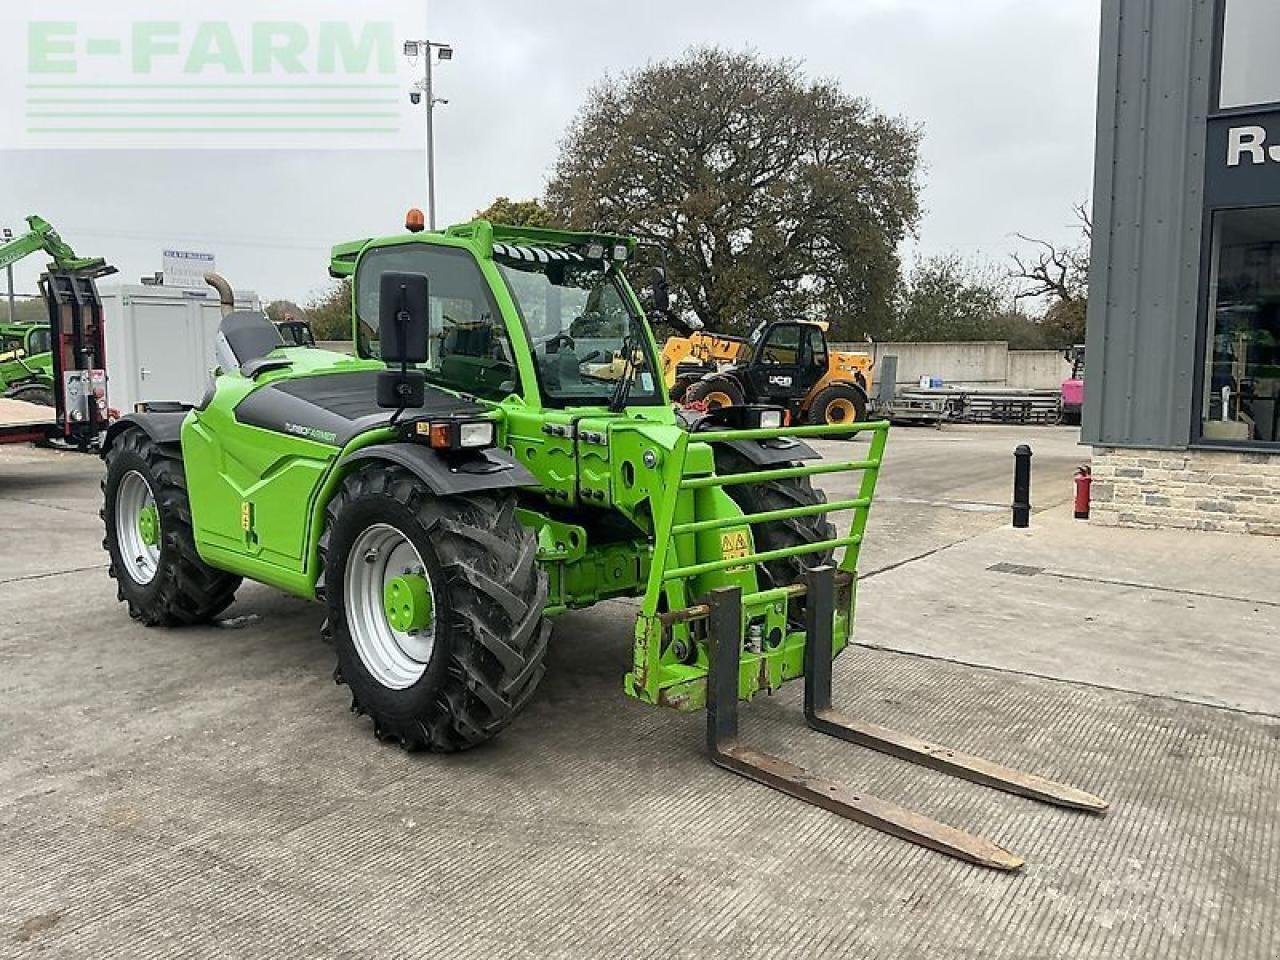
1214, 490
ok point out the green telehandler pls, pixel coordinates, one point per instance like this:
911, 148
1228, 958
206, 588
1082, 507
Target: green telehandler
500, 449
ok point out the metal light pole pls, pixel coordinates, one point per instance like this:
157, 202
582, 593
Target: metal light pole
8, 235
445, 52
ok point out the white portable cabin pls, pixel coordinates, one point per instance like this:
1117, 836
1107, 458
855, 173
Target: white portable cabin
160, 341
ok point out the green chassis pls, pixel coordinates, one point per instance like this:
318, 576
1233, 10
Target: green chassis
258, 498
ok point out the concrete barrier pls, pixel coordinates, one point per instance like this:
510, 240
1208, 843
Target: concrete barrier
977, 363
1037, 369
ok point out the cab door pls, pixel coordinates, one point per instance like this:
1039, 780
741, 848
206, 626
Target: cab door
777, 364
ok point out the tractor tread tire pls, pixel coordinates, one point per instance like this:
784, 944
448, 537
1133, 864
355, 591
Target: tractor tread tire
700, 389
36, 393
778, 494
185, 590
817, 414
493, 649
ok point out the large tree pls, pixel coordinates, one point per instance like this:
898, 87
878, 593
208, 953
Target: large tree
518, 213
773, 195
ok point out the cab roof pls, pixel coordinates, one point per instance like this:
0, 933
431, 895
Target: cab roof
485, 237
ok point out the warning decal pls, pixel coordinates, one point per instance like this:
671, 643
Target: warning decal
733, 546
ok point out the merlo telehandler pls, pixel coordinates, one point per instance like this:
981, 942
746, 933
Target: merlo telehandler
481, 465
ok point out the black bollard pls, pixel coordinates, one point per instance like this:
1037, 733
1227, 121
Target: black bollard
1022, 487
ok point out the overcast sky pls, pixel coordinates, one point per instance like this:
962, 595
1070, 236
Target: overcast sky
1005, 91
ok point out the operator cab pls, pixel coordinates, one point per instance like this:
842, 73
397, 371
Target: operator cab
785, 360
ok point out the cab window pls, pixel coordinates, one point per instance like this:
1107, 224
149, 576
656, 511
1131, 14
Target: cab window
817, 349
467, 345
781, 346
38, 341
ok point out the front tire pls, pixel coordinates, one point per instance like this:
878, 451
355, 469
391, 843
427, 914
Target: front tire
36, 393
149, 539
454, 677
778, 494
838, 404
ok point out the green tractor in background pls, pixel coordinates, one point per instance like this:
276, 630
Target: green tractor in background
26, 359
26, 363
501, 449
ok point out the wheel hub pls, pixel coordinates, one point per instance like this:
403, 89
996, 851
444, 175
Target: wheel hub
149, 525
406, 600
840, 411
137, 524
390, 606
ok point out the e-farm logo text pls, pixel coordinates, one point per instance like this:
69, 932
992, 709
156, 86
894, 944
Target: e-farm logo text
249, 83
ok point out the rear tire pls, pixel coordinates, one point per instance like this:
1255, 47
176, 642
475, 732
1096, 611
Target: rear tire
487, 642
36, 393
776, 534
165, 583
716, 392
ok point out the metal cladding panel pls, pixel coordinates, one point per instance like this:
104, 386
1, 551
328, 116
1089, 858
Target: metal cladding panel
1148, 209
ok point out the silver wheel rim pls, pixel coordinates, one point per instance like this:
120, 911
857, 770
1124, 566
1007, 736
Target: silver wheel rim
395, 659
140, 559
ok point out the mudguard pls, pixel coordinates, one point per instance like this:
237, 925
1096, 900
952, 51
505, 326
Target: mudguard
769, 453
762, 453
162, 426
448, 474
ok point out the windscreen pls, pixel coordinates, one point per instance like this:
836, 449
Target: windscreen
587, 335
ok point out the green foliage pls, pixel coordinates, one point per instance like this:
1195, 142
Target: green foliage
948, 299
519, 213
773, 195
330, 313
25, 310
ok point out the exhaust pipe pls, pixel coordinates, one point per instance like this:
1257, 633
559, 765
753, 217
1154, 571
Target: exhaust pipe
225, 293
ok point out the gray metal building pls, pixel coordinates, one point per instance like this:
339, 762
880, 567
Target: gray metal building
1182, 396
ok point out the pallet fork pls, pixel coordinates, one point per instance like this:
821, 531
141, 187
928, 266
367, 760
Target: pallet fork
728, 751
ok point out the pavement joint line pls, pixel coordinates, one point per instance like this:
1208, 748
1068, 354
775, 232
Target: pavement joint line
1106, 581
1092, 685
946, 546
48, 506
53, 573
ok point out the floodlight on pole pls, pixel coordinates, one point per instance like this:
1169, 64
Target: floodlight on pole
444, 51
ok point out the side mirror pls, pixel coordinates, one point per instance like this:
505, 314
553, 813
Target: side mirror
402, 318
660, 291
402, 331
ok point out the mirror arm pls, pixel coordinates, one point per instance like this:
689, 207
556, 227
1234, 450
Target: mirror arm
402, 323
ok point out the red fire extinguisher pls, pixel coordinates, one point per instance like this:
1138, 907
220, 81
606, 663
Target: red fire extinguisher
1084, 482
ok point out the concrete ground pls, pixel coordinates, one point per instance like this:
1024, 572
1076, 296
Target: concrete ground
204, 793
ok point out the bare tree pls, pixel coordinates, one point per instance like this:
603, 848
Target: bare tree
1058, 276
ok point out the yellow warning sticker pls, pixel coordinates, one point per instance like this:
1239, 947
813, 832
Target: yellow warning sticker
735, 545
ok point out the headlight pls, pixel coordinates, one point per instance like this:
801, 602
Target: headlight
455, 435
477, 434
770, 419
